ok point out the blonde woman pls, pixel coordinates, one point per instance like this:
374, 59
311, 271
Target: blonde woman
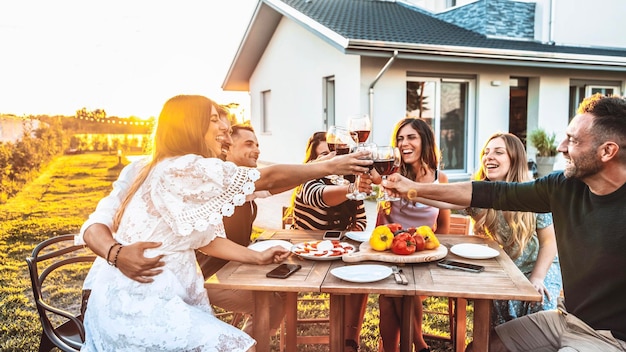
527, 238
177, 199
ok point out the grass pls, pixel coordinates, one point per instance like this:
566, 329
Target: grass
58, 202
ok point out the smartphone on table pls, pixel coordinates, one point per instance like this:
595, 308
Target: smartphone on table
283, 271
332, 235
452, 264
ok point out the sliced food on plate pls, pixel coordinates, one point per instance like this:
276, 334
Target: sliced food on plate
322, 250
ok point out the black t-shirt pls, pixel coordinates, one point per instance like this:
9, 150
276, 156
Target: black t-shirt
591, 239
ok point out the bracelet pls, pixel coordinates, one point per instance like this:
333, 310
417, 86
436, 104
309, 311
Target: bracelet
116, 254
109, 253
411, 194
351, 188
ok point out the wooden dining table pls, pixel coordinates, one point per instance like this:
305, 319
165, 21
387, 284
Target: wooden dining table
501, 280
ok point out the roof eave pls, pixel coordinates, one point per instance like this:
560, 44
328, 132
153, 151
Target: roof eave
256, 38
268, 14
265, 19
486, 55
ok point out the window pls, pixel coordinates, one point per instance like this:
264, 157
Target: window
518, 107
266, 108
329, 101
580, 89
444, 103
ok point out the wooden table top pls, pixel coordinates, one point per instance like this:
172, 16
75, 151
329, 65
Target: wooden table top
501, 279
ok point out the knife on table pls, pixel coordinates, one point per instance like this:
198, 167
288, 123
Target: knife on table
396, 274
405, 281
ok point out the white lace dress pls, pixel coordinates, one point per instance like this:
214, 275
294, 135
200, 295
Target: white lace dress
180, 204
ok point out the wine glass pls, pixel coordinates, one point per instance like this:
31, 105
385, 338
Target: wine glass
362, 125
371, 149
340, 141
386, 161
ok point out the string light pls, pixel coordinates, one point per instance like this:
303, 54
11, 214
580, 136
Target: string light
115, 120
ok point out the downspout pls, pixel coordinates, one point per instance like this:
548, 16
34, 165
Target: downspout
371, 89
551, 25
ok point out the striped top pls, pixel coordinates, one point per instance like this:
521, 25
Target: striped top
311, 213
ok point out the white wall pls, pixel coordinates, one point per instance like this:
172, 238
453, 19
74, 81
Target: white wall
548, 106
295, 62
293, 67
581, 22
574, 22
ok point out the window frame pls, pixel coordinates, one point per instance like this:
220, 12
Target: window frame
469, 121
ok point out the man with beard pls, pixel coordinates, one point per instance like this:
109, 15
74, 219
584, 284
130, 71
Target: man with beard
96, 231
588, 203
244, 151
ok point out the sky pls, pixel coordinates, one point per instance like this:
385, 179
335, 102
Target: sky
124, 56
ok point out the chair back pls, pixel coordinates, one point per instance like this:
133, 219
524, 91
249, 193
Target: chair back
54, 264
460, 224
288, 220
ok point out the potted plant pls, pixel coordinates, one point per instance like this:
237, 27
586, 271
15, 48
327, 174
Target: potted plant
546, 150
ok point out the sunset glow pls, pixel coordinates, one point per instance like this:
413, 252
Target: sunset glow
125, 57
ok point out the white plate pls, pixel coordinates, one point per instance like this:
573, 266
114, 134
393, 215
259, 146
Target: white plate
263, 245
322, 250
474, 251
359, 236
362, 273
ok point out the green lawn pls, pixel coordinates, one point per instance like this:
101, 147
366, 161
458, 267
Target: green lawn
58, 202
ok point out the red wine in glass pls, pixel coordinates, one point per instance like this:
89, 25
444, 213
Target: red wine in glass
342, 149
339, 140
384, 166
363, 135
386, 162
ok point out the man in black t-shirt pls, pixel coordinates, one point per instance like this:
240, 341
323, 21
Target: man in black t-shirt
588, 204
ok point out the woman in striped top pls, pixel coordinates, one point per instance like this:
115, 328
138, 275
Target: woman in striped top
320, 205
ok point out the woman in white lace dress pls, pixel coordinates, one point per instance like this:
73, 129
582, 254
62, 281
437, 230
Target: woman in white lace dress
178, 199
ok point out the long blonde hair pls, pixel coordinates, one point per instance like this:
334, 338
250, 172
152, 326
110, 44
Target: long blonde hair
522, 224
181, 127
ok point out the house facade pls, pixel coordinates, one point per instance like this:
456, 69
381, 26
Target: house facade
470, 69
12, 128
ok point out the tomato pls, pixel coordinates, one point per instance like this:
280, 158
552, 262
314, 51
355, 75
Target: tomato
394, 227
420, 242
403, 244
381, 238
431, 241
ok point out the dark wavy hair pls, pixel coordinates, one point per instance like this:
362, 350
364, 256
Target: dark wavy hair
430, 153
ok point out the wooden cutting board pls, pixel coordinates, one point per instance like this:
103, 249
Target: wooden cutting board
367, 253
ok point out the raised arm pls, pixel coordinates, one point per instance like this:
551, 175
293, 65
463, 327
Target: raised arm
458, 193
287, 176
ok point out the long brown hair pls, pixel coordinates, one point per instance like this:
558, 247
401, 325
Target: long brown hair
522, 224
430, 154
181, 127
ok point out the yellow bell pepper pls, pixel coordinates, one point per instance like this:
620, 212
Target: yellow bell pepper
381, 238
431, 241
